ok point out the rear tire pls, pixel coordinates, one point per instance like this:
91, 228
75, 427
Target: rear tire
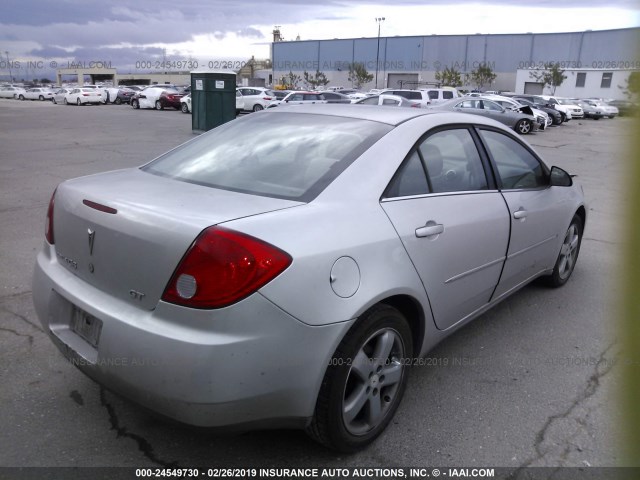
159, 105
257, 107
364, 382
117, 101
79, 103
135, 104
41, 98
568, 255
184, 108
21, 97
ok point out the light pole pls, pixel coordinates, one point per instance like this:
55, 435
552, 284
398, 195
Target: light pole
9, 65
379, 21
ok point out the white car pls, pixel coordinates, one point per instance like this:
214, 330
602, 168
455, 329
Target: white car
11, 92
82, 96
609, 110
36, 94
60, 95
185, 103
576, 110
541, 117
568, 110
152, 97
300, 98
420, 96
438, 95
388, 100
256, 98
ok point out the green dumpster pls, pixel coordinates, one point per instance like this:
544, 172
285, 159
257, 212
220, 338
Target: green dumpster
213, 99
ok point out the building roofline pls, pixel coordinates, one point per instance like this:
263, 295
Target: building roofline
528, 34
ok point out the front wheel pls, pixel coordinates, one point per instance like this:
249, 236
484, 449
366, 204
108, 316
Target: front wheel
568, 255
21, 97
53, 100
135, 104
523, 126
41, 98
364, 382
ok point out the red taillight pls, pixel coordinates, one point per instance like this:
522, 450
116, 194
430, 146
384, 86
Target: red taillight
222, 267
86, 94
48, 229
266, 98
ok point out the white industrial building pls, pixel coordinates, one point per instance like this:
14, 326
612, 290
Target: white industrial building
413, 61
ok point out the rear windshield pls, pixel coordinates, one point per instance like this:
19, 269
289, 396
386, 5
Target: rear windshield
292, 156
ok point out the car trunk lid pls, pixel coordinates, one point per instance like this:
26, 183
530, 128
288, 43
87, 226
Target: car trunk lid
125, 232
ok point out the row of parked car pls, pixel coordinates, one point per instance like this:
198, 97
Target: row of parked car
523, 113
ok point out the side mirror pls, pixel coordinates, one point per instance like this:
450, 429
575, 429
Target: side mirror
560, 178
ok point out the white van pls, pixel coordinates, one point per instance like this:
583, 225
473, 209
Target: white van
439, 95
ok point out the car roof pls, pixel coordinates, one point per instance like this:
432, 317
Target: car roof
376, 113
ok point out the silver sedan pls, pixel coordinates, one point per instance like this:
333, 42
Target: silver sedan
285, 269
520, 122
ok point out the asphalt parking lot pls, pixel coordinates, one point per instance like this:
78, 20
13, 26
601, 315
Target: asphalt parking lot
530, 383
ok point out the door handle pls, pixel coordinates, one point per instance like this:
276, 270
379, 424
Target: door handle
429, 230
520, 214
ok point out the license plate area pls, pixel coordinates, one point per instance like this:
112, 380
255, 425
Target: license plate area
86, 326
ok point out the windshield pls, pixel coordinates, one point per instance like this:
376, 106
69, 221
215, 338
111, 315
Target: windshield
283, 155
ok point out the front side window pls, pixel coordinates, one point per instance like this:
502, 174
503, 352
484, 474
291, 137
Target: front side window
517, 167
282, 155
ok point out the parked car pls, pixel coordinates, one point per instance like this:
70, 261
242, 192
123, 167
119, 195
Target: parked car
185, 103
420, 96
199, 257
576, 110
510, 103
60, 95
335, 97
590, 109
36, 94
299, 98
520, 122
125, 94
83, 96
256, 98
439, 95
555, 116
169, 98
554, 103
156, 97
625, 107
387, 100
11, 92
610, 110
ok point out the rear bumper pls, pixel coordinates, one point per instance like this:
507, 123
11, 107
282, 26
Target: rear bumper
249, 364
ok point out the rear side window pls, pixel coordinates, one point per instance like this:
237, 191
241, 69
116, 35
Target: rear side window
447, 95
282, 155
409, 180
517, 167
433, 94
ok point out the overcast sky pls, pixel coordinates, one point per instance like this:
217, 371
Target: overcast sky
126, 32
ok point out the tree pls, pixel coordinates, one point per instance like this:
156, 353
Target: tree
552, 76
481, 76
358, 74
290, 80
632, 87
45, 80
449, 77
315, 80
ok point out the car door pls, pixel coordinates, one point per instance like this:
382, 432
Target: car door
539, 213
453, 222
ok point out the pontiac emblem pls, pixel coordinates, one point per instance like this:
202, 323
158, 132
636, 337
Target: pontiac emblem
92, 236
